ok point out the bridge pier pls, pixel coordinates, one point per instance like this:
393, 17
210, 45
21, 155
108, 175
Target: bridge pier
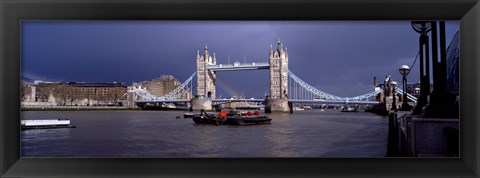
201, 103
276, 105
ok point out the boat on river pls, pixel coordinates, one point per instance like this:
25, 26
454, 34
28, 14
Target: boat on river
188, 115
348, 109
207, 118
234, 117
46, 124
298, 108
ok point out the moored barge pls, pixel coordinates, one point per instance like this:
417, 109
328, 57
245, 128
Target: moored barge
207, 118
233, 117
246, 118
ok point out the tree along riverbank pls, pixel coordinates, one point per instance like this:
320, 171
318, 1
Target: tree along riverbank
75, 108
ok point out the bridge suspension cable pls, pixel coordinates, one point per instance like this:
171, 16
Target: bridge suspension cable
299, 89
178, 92
409, 96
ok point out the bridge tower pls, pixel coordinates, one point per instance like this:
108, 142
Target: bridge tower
278, 72
205, 78
277, 101
205, 81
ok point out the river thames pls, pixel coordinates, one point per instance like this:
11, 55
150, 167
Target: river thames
159, 134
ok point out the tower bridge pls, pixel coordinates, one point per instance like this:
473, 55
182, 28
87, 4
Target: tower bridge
285, 87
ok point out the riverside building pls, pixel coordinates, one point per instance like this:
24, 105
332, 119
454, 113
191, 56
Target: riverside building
162, 85
75, 93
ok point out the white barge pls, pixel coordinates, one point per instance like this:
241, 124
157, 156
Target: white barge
46, 124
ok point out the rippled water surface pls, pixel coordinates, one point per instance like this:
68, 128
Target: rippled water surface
310, 133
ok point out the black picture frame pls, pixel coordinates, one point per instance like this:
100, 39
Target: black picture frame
13, 11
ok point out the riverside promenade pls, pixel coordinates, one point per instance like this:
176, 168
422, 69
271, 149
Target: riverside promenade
417, 136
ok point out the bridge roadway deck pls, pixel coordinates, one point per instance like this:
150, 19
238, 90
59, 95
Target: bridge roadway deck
262, 100
242, 66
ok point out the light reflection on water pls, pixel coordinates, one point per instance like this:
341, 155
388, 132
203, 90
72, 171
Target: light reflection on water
309, 133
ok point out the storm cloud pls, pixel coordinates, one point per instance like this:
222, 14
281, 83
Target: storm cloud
339, 57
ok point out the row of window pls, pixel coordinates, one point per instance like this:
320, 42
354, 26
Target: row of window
103, 89
277, 74
277, 82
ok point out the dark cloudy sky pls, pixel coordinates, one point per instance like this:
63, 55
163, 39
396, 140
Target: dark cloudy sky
339, 57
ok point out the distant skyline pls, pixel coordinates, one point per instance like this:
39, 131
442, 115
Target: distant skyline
338, 57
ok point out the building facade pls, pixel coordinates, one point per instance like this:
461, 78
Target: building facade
414, 89
109, 93
453, 66
77, 93
161, 86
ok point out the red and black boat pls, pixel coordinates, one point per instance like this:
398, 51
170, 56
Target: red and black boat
236, 117
233, 117
207, 118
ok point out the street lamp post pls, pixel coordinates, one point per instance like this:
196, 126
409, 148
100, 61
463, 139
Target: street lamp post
423, 27
404, 70
392, 145
393, 85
